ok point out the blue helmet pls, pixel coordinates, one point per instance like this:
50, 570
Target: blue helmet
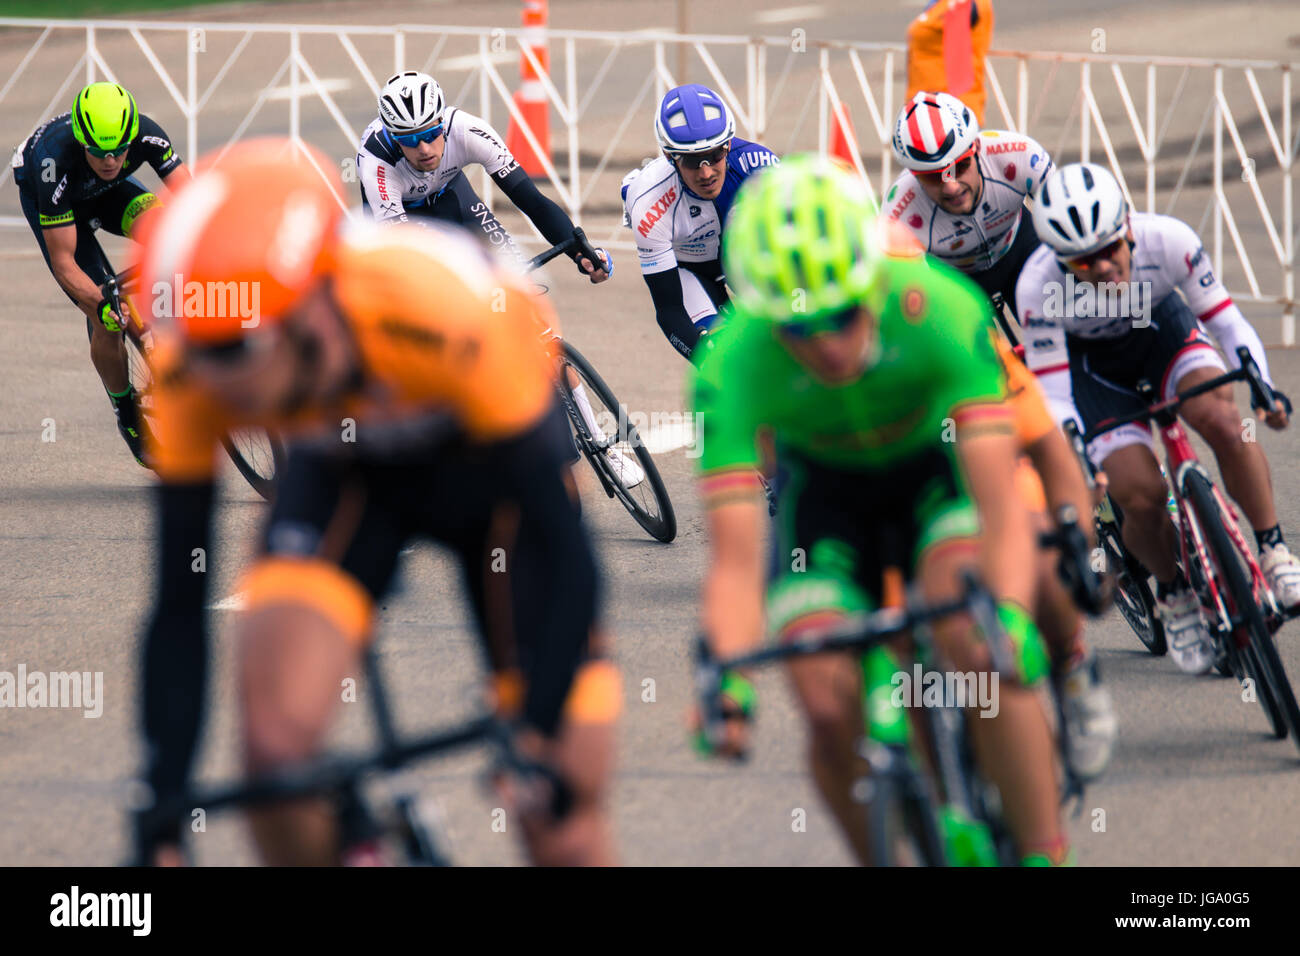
692, 119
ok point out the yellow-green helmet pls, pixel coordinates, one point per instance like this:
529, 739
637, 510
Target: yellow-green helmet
105, 117
799, 244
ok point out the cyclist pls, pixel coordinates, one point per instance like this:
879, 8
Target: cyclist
411, 166
74, 176
677, 205
1111, 298
1048, 477
963, 192
421, 408
860, 388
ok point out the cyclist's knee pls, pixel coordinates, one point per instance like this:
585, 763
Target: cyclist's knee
1218, 422
828, 692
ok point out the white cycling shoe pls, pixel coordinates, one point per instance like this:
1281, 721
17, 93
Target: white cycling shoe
1189, 642
1282, 571
1090, 723
627, 470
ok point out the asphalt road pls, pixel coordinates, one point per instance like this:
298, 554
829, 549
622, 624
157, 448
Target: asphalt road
1195, 779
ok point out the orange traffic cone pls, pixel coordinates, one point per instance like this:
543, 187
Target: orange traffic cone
842, 135
530, 98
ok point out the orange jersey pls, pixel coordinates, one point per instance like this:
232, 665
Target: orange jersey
1033, 420
438, 328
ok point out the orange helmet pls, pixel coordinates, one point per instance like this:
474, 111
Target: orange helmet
241, 244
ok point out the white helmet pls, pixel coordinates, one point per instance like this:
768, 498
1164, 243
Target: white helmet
1080, 209
410, 101
932, 132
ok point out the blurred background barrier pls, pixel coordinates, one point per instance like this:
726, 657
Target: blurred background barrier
1210, 141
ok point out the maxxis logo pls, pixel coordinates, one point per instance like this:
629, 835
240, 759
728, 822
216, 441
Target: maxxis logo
656, 212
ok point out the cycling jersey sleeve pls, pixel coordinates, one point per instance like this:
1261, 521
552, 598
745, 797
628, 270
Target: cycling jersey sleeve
544, 213
670, 310
1046, 354
1187, 259
157, 147
379, 189
725, 421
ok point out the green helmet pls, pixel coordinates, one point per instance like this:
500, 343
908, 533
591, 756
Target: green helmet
799, 243
104, 116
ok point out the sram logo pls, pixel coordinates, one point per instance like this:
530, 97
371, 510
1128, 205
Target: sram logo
656, 211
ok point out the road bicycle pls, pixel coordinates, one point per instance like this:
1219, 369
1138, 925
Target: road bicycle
600, 422
1237, 604
395, 825
257, 453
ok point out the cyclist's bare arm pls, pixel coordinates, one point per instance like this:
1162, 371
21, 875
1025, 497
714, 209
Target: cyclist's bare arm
178, 177
61, 241
1062, 478
1006, 538
733, 586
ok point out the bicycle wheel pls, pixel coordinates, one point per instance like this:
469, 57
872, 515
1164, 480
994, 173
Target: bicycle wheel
1133, 594
901, 824
1259, 653
259, 456
647, 501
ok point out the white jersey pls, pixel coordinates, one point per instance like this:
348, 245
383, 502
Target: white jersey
1167, 256
388, 181
1013, 167
672, 225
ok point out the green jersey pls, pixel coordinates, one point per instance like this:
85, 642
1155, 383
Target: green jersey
935, 374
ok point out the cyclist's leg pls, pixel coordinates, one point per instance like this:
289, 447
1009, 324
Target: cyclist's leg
819, 568
330, 551
532, 578
1009, 732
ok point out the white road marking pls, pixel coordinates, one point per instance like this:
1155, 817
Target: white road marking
233, 603
329, 84
789, 14
665, 438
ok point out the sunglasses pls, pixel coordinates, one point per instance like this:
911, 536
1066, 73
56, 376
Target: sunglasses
108, 153
958, 168
1088, 263
830, 324
412, 140
696, 160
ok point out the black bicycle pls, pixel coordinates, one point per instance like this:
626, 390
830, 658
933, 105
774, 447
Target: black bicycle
948, 817
398, 827
601, 429
1133, 594
257, 453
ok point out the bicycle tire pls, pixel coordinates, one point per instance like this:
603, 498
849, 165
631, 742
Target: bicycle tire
260, 469
897, 817
1134, 600
660, 524
1270, 675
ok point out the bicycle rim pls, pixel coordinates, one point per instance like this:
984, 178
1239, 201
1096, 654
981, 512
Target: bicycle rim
1271, 683
647, 501
258, 455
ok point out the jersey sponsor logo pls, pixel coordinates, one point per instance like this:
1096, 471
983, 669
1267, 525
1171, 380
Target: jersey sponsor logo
487, 136
58, 190
915, 221
507, 169
656, 211
1033, 160
695, 211
1031, 321
156, 140
1207, 280
752, 161
997, 148
1010, 172
902, 204
383, 185
913, 304
1042, 343
1194, 259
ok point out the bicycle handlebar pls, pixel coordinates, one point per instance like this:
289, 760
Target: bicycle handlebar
1261, 395
577, 241
1085, 585
860, 633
